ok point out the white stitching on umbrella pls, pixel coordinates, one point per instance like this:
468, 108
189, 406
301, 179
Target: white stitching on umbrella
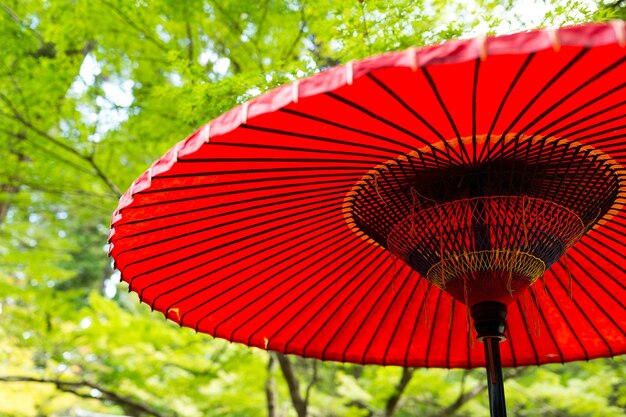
295, 90
553, 35
244, 112
349, 73
619, 26
481, 42
413, 57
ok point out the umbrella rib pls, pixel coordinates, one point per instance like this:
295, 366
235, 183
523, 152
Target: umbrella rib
335, 238
580, 309
577, 109
272, 170
451, 326
474, 108
222, 246
213, 216
319, 227
587, 118
380, 119
536, 97
403, 314
607, 259
417, 319
533, 296
443, 106
358, 329
297, 149
332, 235
401, 144
564, 317
235, 203
230, 193
505, 98
432, 330
524, 321
418, 116
245, 181
383, 319
361, 261
282, 159
224, 234
334, 314
598, 305
571, 94
349, 247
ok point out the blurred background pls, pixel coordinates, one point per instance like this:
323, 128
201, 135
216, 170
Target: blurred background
91, 93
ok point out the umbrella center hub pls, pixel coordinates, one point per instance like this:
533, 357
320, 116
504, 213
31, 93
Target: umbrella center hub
485, 230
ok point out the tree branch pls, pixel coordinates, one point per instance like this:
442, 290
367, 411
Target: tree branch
270, 386
465, 397
299, 404
75, 387
17, 116
392, 401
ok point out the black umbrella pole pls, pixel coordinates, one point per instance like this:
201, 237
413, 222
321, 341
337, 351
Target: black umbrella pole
495, 383
490, 324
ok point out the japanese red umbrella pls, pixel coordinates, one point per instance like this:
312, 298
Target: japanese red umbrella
365, 213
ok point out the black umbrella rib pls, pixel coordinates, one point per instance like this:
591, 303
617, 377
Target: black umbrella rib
332, 233
365, 318
322, 223
282, 160
338, 330
380, 119
533, 297
215, 227
564, 317
524, 317
327, 227
326, 139
352, 245
334, 314
598, 305
577, 109
332, 211
251, 145
536, 97
230, 193
505, 98
450, 328
475, 109
383, 319
336, 238
270, 198
224, 213
271, 170
435, 90
360, 260
587, 118
582, 312
423, 303
330, 208
402, 145
335, 178
433, 326
406, 106
563, 99
406, 305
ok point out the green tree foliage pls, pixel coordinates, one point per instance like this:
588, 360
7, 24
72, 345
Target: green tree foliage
91, 92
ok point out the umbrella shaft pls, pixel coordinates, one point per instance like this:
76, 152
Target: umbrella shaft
495, 383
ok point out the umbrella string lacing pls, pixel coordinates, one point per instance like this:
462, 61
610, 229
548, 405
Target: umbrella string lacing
377, 189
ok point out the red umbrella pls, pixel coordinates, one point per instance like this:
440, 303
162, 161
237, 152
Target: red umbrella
360, 214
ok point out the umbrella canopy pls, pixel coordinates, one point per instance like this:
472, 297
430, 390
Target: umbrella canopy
356, 215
